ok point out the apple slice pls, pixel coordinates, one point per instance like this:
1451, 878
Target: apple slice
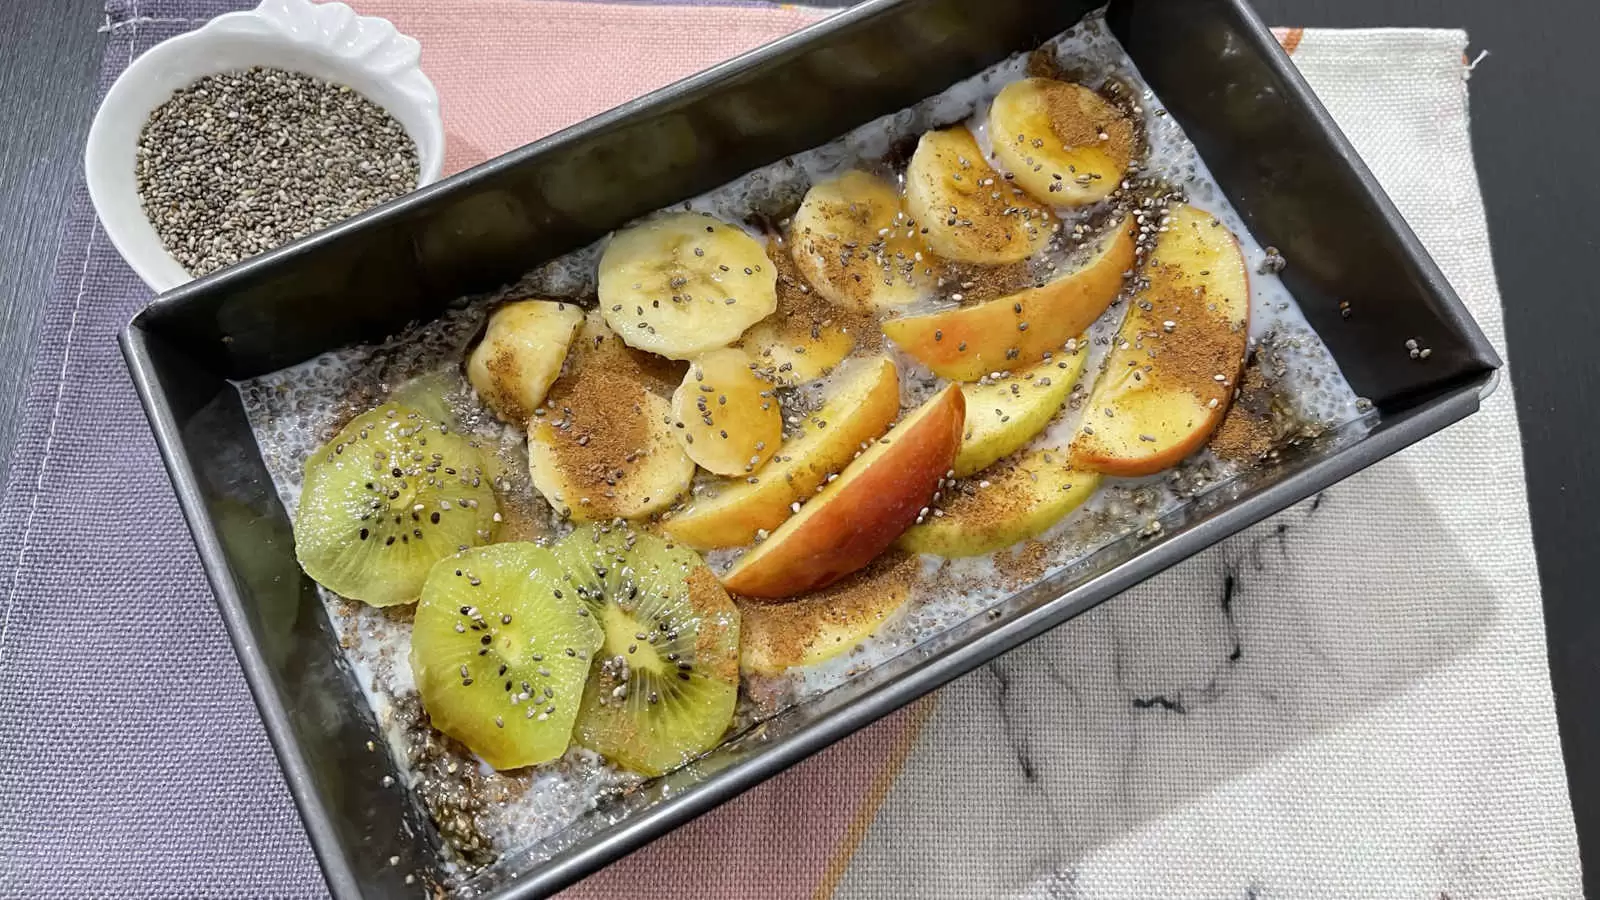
866, 398
1006, 413
860, 514
1017, 500
821, 625
1177, 359
1019, 329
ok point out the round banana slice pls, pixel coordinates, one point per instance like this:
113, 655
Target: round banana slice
1061, 142
726, 417
854, 242
807, 336
684, 283
521, 354
967, 211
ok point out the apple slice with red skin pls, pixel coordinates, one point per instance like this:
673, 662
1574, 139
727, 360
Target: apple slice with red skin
872, 502
1176, 361
1018, 330
862, 406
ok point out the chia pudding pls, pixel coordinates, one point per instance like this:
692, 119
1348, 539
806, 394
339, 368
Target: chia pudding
1259, 386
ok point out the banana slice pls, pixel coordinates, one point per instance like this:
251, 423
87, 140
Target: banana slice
807, 336
601, 447
854, 242
521, 354
1061, 142
726, 418
967, 211
684, 283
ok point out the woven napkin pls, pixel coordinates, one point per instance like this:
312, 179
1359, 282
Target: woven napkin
1350, 699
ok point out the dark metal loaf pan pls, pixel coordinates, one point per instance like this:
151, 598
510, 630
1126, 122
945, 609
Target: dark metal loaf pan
1293, 177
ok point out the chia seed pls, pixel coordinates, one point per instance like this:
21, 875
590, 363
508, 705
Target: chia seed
1273, 263
241, 162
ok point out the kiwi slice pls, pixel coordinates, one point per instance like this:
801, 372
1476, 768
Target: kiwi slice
666, 680
385, 499
429, 394
500, 648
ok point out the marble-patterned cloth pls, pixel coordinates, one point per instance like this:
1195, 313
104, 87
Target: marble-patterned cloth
1349, 700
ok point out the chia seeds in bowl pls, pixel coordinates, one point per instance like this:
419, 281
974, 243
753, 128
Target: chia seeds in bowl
242, 162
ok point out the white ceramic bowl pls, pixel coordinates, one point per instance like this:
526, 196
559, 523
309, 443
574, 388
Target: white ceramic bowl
325, 40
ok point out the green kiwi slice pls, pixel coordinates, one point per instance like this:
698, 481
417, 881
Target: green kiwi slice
666, 680
385, 499
500, 649
430, 395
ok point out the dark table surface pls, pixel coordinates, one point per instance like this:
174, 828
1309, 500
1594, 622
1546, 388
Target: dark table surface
1534, 133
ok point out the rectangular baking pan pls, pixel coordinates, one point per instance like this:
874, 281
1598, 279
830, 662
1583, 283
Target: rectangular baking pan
1288, 170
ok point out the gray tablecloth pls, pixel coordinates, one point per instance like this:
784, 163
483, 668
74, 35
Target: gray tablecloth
132, 762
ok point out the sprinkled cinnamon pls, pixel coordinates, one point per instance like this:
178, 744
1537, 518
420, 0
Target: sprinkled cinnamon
1043, 63
506, 367
802, 311
1180, 337
597, 413
1263, 419
1079, 117
967, 283
987, 500
1246, 435
715, 609
786, 632
1026, 564
521, 518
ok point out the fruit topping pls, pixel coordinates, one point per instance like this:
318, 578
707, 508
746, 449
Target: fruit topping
386, 498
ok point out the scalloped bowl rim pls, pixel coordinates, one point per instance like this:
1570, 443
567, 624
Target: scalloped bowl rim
231, 42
